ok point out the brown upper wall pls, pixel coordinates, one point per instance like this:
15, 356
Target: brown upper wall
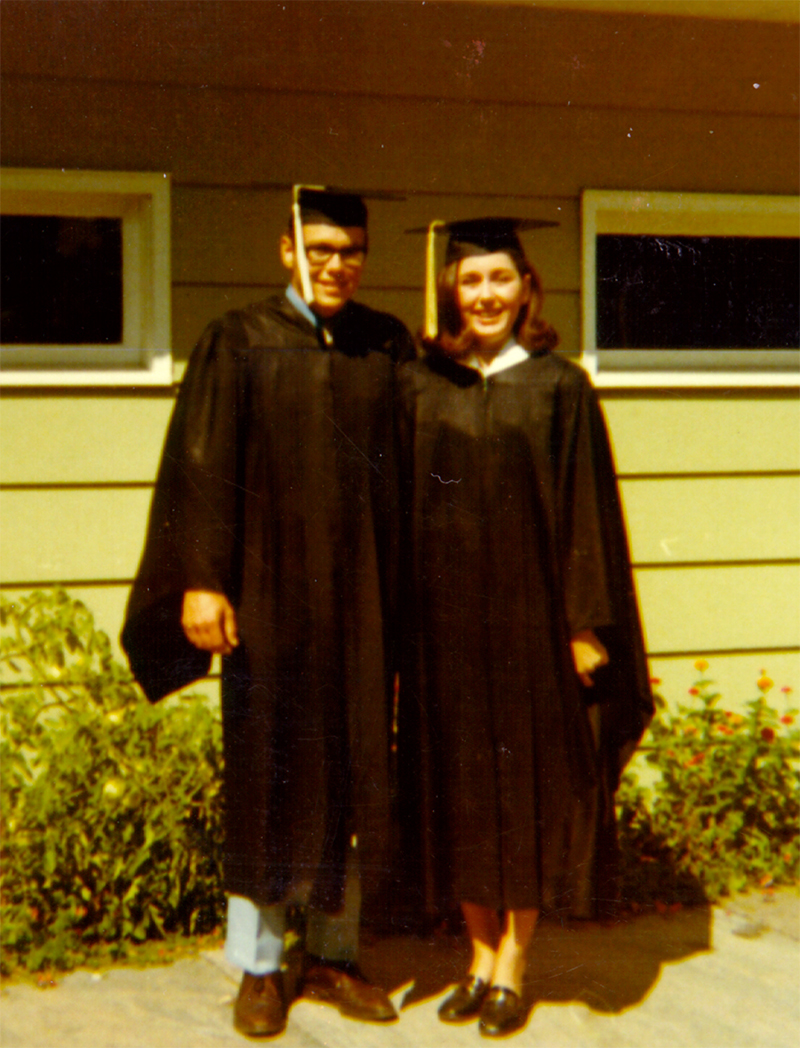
222, 137
483, 52
447, 98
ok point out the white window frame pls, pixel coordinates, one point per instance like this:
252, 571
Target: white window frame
681, 214
142, 201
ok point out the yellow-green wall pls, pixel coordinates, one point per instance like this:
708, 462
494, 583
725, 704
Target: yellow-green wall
466, 109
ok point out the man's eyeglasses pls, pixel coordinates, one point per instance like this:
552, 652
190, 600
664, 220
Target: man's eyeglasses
319, 254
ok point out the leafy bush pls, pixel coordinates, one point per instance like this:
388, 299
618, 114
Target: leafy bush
724, 813
111, 821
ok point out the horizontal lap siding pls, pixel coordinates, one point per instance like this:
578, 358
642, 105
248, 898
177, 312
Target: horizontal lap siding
403, 144
709, 479
720, 608
82, 538
193, 307
710, 519
451, 50
705, 432
96, 533
76, 534
72, 439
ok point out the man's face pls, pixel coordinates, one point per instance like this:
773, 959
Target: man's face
335, 262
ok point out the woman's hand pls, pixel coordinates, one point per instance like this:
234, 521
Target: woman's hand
588, 654
209, 621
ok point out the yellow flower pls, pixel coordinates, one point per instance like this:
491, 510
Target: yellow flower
763, 683
113, 789
701, 665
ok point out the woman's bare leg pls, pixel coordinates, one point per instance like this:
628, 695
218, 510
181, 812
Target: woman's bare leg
483, 928
512, 953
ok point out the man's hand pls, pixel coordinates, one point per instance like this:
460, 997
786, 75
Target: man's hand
209, 621
588, 654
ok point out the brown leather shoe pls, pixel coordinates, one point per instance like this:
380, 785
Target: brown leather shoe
347, 988
260, 1008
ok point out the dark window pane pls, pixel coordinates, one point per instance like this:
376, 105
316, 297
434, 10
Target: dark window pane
688, 292
61, 280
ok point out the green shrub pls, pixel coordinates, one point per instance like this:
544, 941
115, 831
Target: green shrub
111, 821
724, 812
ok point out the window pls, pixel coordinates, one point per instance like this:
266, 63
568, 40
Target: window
691, 289
85, 278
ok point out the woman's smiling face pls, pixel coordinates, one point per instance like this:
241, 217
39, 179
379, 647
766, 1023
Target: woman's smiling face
490, 293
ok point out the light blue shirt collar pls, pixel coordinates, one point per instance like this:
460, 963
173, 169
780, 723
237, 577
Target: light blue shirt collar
302, 307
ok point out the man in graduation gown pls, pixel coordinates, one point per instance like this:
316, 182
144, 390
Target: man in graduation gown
271, 542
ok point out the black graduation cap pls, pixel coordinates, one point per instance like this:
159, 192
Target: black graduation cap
336, 207
469, 237
329, 205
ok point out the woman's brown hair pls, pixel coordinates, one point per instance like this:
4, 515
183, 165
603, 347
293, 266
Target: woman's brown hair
530, 329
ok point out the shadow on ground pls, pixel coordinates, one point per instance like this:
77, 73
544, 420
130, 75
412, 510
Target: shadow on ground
608, 967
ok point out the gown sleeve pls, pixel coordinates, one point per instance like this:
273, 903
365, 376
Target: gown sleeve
191, 540
596, 571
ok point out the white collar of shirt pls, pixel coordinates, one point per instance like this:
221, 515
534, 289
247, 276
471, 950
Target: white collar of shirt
512, 353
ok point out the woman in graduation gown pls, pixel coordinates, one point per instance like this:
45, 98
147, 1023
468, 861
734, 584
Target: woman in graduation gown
525, 684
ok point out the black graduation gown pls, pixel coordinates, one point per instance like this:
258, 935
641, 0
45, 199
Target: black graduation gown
277, 487
518, 544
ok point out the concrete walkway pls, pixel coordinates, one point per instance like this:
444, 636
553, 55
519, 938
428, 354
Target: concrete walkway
705, 978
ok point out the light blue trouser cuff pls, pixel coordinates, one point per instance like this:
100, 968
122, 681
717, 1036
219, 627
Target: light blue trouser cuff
254, 937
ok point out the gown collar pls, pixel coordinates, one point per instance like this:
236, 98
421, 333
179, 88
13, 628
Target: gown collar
512, 353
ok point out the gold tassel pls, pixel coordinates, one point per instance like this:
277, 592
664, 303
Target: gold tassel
431, 303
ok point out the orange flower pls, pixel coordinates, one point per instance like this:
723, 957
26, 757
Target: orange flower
697, 759
724, 729
786, 689
694, 691
763, 683
701, 665
787, 719
655, 680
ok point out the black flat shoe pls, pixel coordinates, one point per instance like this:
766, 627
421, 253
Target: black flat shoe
502, 1013
465, 1001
